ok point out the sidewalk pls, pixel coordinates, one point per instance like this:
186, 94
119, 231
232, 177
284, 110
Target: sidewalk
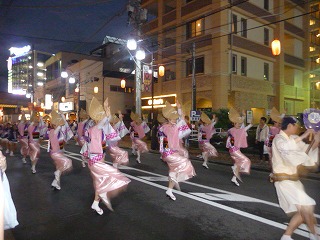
223, 158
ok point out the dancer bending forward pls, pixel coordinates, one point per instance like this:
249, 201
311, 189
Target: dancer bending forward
170, 134
107, 180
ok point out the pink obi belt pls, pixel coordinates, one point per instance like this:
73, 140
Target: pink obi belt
94, 158
233, 149
168, 152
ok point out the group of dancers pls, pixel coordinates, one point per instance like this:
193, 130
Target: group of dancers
99, 132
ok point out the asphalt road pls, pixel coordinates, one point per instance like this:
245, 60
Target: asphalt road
209, 206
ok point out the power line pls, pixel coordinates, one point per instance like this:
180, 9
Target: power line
163, 49
2, 34
104, 24
90, 3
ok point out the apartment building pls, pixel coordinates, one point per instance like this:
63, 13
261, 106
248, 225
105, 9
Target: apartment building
234, 65
314, 54
26, 70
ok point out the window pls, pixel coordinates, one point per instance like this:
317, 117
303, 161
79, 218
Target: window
169, 38
170, 72
115, 88
266, 36
243, 66
199, 68
195, 28
313, 37
234, 23
266, 5
243, 27
266, 71
315, 10
234, 63
168, 6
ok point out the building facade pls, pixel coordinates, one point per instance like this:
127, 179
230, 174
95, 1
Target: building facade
234, 65
314, 54
90, 79
26, 70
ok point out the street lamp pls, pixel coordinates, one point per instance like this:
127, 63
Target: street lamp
132, 45
139, 56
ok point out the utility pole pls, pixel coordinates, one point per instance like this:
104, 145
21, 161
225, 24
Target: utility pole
194, 87
34, 53
136, 16
152, 85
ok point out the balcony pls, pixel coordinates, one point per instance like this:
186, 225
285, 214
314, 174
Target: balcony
150, 26
245, 84
294, 92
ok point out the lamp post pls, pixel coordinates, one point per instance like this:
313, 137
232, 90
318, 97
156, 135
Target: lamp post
140, 55
72, 80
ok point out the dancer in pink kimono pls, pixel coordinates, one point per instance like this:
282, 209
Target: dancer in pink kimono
107, 180
34, 140
118, 155
58, 136
83, 126
206, 131
237, 139
276, 118
170, 134
138, 131
23, 137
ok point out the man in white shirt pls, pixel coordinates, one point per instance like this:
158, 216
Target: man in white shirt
288, 153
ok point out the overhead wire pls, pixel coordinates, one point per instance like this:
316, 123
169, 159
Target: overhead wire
89, 3
263, 25
105, 24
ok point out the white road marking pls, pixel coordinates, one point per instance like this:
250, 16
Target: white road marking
223, 207
155, 179
208, 198
225, 197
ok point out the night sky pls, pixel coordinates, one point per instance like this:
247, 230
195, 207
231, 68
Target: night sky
56, 25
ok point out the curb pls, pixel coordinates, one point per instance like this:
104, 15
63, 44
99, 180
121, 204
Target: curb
313, 175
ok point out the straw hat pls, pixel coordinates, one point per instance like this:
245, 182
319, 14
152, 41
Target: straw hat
234, 116
114, 119
23, 118
96, 110
83, 114
56, 118
160, 118
135, 117
46, 118
170, 112
275, 115
34, 117
204, 118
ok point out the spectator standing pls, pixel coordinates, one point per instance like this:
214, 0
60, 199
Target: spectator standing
261, 136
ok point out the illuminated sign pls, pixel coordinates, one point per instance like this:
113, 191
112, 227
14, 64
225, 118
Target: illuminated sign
158, 101
48, 101
9, 64
19, 51
66, 106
